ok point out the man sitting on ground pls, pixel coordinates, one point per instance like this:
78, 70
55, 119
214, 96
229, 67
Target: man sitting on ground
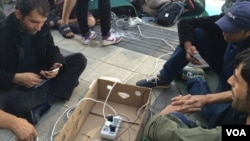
27, 86
169, 125
218, 39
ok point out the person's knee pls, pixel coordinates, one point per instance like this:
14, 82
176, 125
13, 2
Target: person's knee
202, 38
200, 34
80, 58
76, 59
197, 86
91, 20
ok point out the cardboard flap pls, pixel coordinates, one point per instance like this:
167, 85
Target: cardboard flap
137, 96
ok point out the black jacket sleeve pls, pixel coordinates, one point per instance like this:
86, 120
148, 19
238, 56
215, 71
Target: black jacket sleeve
11, 54
186, 28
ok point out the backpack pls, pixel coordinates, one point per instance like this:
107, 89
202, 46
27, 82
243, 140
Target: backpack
169, 13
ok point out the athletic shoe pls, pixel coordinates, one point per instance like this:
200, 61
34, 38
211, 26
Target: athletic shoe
90, 36
153, 82
190, 72
111, 39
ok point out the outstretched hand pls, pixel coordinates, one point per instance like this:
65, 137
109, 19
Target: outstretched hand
24, 131
20, 127
188, 103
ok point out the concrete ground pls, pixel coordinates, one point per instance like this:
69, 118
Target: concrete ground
110, 61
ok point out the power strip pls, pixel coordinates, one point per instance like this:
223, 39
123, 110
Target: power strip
134, 21
110, 128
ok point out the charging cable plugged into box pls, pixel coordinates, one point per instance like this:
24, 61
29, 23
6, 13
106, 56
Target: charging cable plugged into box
110, 127
129, 22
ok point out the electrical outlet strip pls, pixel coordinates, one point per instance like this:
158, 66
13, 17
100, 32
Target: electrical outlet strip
110, 129
134, 21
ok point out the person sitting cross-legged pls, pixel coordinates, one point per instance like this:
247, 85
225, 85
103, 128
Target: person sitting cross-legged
33, 71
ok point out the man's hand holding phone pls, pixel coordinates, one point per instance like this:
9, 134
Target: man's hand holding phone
48, 75
51, 73
191, 53
54, 70
193, 58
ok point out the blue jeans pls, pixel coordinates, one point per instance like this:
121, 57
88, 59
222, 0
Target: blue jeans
198, 86
215, 114
213, 56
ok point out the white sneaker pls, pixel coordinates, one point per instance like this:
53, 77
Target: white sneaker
88, 38
190, 72
111, 39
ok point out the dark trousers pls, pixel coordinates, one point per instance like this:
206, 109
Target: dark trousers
20, 100
215, 114
104, 12
63, 85
213, 56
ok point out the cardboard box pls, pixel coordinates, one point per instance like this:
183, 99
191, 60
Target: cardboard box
130, 102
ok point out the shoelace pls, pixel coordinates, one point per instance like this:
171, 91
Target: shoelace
152, 79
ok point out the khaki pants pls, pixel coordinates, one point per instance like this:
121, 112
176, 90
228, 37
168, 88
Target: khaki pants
170, 128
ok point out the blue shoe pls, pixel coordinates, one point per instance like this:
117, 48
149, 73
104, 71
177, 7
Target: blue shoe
153, 82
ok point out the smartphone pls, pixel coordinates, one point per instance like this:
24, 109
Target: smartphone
195, 58
40, 84
54, 70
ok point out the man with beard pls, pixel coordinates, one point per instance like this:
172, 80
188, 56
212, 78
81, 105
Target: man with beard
171, 124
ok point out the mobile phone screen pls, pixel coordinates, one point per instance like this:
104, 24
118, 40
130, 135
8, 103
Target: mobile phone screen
54, 70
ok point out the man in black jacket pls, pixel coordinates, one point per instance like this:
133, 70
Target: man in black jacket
28, 87
218, 39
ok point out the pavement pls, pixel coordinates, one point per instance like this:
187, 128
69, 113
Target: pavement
110, 61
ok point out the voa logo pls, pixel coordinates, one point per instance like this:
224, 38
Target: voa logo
236, 132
